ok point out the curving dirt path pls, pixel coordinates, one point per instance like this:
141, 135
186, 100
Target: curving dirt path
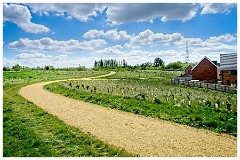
137, 134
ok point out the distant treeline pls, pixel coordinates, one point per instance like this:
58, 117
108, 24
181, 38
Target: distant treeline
110, 63
158, 63
17, 67
104, 63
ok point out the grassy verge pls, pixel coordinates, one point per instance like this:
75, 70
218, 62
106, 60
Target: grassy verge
36, 76
221, 121
29, 131
165, 76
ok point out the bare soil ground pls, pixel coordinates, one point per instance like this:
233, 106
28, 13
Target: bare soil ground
137, 134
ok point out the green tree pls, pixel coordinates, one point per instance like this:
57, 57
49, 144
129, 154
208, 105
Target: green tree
176, 65
17, 67
124, 63
6, 68
81, 68
146, 64
95, 64
158, 62
49, 67
101, 63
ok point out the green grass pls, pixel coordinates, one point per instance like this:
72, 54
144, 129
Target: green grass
164, 76
156, 88
29, 131
36, 76
132, 95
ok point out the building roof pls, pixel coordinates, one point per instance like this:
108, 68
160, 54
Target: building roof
208, 60
188, 66
228, 61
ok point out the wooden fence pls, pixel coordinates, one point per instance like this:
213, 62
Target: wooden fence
200, 84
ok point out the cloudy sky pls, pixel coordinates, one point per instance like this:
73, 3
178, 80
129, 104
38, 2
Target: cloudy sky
65, 34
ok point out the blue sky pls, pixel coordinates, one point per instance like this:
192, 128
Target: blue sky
66, 35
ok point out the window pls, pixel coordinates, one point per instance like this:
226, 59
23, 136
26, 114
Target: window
232, 72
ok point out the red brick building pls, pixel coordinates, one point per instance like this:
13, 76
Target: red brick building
228, 68
188, 71
206, 70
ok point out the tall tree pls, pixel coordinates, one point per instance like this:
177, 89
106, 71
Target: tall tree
101, 63
158, 62
17, 67
95, 63
124, 63
6, 68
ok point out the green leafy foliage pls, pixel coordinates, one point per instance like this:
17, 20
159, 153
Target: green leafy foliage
158, 62
17, 67
176, 66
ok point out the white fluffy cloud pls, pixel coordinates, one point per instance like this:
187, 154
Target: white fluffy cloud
120, 13
192, 42
147, 12
93, 34
47, 44
152, 54
56, 61
110, 50
131, 46
223, 38
21, 16
217, 47
39, 57
111, 34
34, 55
212, 44
213, 8
80, 11
134, 57
147, 37
137, 56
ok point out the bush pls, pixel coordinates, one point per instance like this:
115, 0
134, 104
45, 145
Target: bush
157, 100
17, 67
176, 66
6, 69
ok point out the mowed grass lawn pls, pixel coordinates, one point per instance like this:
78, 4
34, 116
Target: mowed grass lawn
150, 93
29, 131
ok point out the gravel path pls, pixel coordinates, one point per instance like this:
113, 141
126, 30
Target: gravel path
137, 134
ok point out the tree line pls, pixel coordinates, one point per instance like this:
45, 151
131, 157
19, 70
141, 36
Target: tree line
18, 67
160, 64
157, 63
110, 63
114, 63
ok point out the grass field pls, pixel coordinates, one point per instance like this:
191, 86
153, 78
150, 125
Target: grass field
29, 131
150, 93
37, 76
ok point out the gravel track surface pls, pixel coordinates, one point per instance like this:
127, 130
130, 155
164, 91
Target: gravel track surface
137, 134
